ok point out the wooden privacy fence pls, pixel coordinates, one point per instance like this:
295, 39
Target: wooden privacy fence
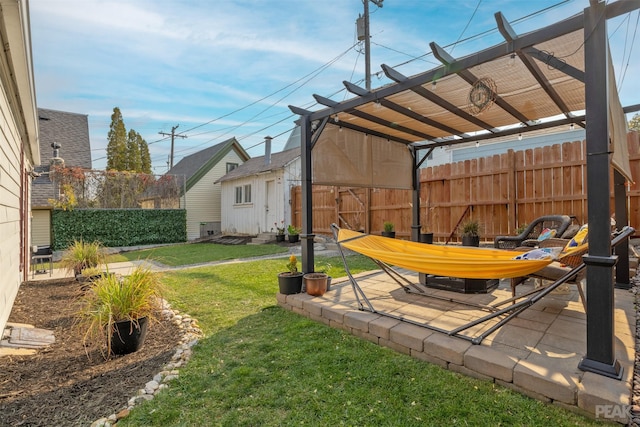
502, 192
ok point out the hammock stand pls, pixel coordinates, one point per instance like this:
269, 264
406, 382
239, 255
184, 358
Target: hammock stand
526, 300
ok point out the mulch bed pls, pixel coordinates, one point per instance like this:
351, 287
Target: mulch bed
66, 383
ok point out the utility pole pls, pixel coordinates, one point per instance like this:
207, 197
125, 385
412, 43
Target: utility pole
367, 42
173, 136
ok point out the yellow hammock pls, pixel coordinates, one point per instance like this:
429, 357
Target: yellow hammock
440, 260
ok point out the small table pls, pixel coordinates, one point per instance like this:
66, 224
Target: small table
39, 261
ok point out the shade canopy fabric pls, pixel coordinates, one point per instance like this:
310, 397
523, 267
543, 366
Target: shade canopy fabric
361, 160
441, 260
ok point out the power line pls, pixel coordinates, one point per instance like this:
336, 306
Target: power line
173, 136
466, 26
321, 68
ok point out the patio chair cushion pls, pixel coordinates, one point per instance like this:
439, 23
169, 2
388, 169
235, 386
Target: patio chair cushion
546, 234
540, 253
579, 238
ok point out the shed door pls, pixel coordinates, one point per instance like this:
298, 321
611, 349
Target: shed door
41, 227
271, 206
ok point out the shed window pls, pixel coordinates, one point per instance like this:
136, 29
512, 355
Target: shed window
243, 194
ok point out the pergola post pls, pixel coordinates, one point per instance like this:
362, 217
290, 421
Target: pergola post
307, 236
600, 357
415, 210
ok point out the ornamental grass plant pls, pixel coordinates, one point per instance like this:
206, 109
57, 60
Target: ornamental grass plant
112, 299
81, 255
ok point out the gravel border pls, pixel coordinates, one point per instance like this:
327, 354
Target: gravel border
190, 335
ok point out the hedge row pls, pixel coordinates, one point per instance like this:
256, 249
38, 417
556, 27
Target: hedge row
119, 227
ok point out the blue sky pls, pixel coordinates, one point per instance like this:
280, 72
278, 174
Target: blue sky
230, 68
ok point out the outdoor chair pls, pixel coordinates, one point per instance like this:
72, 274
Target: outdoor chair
557, 269
40, 257
529, 237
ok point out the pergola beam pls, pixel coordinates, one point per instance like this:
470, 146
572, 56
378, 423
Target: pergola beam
554, 62
382, 122
471, 78
357, 90
367, 131
418, 89
510, 36
503, 133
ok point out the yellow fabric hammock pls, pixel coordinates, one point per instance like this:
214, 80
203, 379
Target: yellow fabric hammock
441, 260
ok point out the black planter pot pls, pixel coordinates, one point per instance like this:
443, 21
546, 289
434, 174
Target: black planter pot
426, 237
471, 241
128, 336
290, 283
294, 238
279, 237
391, 234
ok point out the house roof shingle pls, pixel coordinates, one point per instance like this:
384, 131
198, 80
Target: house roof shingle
71, 131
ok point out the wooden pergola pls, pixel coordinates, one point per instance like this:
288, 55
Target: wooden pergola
554, 76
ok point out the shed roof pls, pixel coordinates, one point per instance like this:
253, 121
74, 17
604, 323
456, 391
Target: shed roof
258, 165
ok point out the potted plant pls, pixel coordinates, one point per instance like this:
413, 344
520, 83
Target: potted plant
471, 233
81, 256
290, 282
325, 269
117, 311
388, 229
316, 283
294, 233
425, 235
279, 231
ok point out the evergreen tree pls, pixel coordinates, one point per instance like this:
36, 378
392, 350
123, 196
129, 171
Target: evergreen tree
117, 145
634, 123
126, 151
134, 161
145, 157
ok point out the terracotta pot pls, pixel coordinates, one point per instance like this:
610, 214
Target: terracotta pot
316, 283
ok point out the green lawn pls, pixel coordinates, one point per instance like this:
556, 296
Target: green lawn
260, 365
197, 253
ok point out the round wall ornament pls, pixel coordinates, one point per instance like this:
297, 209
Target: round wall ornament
482, 95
